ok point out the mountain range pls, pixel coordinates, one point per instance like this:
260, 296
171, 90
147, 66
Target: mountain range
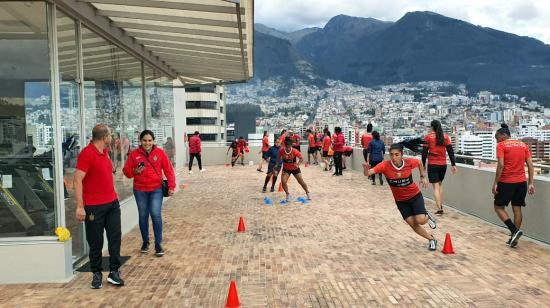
420, 46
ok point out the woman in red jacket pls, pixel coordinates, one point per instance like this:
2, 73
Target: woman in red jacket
195, 149
338, 145
146, 165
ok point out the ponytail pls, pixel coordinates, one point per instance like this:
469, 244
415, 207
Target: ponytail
439, 137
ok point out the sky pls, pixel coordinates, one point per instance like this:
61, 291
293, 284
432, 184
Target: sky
521, 17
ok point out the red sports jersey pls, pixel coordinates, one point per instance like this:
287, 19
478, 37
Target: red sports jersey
515, 153
327, 142
265, 144
436, 153
400, 180
282, 138
311, 140
319, 140
365, 139
290, 160
296, 140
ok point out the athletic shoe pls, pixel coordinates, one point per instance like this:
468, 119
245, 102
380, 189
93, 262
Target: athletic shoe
145, 248
509, 241
264, 189
308, 196
432, 245
431, 220
114, 278
159, 252
515, 238
439, 212
344, 168
190, 172
259, 170
272, 189
373, 183
326, 169
203, 170
335, 174
97, 281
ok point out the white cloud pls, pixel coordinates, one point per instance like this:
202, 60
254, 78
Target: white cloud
522, 17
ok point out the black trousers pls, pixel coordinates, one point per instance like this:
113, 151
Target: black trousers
198, 156
338, 162
98, 218
365, 154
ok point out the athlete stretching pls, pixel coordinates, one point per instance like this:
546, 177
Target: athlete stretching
292, 159
409, 200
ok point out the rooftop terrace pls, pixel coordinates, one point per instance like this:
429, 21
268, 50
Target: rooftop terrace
348, 247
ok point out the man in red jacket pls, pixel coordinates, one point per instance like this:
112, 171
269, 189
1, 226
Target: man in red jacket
338, 145
242, 146
195, 150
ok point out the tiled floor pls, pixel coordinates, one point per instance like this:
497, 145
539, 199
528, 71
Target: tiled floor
348, 247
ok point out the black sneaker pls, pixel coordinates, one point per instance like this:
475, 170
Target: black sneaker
114, 278
373, 183
97, 281
515, 238
509, 241
272, 189
159, 252
145, 248
432, 245
264, 189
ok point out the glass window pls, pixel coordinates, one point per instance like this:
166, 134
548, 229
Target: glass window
160, 110
112, 96
201, 121
27, 206
201, 105
203, 89
205, 137
70, 123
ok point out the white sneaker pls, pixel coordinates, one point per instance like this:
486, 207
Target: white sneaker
431, 220
203, 170
190, 172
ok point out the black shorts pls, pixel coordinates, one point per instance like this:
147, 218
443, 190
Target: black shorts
293, 172
436, 173
411, 207
325, 153
273, 168
264, 155
511, 192
311, 150
320, 149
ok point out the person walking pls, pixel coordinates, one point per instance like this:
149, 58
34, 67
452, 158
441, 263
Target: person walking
435, 145
97, 204
146, 165
375, 154
338, 144
234, 148
295, 140
366, 138
511, 185
292, 159
273, 165
265, 148
195, 149
242, 146
327, 143
407, 195
312, 147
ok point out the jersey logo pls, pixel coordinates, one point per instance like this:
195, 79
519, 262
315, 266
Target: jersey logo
155, 158
400, 182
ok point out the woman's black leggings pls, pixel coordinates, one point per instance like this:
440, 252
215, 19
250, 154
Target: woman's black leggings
338, 162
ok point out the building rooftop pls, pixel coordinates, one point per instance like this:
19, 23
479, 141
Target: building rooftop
348, 247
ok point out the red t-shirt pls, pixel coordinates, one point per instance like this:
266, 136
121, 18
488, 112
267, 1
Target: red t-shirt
311, 140
282, 138
365, 139
515, 153
319, 140
265, 144
400, 179
436, 153
97, 186
296, 140
290, 159
326, 143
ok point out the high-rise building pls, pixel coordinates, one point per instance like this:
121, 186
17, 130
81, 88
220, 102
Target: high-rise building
488, 143
205, 112
471, 144
539, 149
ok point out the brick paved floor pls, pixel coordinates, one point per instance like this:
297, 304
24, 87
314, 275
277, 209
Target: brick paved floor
348, 248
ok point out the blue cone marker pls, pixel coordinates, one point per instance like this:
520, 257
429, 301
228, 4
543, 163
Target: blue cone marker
268, 201
284, 202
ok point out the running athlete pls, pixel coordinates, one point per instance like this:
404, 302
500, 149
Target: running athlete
265, 147
366, 138
292, 159
234, 146
409, 200
312, 147
375, 154
327, 142
295, 140
435, 145
338, 144
243, 146
282, 137
510, 183
319, 137
273, 165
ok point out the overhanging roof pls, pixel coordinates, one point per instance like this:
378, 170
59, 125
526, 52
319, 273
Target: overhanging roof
196, 41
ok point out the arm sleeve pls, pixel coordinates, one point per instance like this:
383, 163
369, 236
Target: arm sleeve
425, 155
128, 167
168, 171
451, 153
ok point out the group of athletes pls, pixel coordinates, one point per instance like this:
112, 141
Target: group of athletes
510, 184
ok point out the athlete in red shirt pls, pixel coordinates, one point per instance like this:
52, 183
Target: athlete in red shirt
242, 146
312, 147
366, 138
338, 145
510, 183
265, 148
327, 142
292, 159
435, 145
409, 200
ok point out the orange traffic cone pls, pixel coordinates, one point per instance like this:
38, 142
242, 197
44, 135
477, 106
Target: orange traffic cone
448, 246
281, 184
241, 227
232, 297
